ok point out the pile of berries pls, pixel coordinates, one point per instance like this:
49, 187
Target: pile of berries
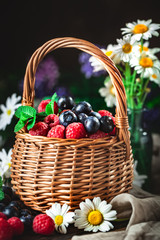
15, 217
73, 121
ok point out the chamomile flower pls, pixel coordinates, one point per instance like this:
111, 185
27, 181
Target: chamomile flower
8, 110
108, 93
145, 65
61, 216
5, 164
109, 51
146, 50
138, 179
155, 77
141, 29
95, 215
124, 49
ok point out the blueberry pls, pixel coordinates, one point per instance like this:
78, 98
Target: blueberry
7, 190
27, 221
67, 117
106, 124
65, 102
16, 204
11, 211
2, 206
83, 107
25, 212
95, 114
82, 117
91, 124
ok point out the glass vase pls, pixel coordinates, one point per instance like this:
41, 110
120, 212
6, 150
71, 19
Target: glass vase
141, 142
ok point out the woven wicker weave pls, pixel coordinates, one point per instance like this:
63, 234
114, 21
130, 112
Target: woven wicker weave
47, 170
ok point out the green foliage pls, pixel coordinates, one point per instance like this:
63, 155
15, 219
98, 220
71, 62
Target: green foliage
50, 105
1, 192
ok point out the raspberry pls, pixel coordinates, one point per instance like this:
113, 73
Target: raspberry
42, 105
39, 129
105, 113
2, 215
52, 120
5, 230
55, 108
43, 224
76, 130
98, 134
56, 132
17, 225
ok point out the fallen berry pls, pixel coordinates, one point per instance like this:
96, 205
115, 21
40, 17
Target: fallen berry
17, 225
76, 130
57, 131
52, 120
2, 215
6, 231
42, 105
39, 129
98, 134
43, 224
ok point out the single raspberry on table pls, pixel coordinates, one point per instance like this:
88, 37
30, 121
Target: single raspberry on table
39, 129
105, 113
42, 105
57, 131
43, 224
2, 215
52, 120
6, 231
17, 225
98, 134
76, 130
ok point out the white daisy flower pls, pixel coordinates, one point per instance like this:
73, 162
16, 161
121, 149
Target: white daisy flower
95, 215
146, 50
138, 180
61, 216
8, 110
124, 49
108, 93
141, 29
109, 51
145, 65
155, 77
5, 164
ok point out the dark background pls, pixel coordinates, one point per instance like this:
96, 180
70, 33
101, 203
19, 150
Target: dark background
26, 25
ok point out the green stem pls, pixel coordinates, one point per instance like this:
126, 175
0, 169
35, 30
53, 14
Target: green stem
142, 43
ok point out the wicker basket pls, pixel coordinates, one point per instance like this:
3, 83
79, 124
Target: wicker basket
47, 170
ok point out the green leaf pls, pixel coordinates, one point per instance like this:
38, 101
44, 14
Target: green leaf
27, 111
31, 123
50, 105
41, 114
1, 182
1, 195
19, 125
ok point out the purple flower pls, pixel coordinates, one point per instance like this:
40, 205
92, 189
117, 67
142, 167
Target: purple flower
46, 78
86, 67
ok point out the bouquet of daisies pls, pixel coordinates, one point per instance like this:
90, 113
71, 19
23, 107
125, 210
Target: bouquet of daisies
136, 61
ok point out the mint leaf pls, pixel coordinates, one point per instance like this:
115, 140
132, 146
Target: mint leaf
19, 125
27, 111
31, 123
1, 195
50, 105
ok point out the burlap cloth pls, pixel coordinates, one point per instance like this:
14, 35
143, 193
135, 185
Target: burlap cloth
143, 210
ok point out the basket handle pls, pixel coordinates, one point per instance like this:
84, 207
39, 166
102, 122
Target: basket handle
121, 118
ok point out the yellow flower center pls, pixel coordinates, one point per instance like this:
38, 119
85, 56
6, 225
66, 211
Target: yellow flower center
58, 220
9, 112
154, 76
140, 28
9, 164
127, 48
111, 90
95, 217
146, 62
109, 53
144, 48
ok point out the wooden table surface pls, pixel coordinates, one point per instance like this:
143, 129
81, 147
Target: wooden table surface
71, 231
